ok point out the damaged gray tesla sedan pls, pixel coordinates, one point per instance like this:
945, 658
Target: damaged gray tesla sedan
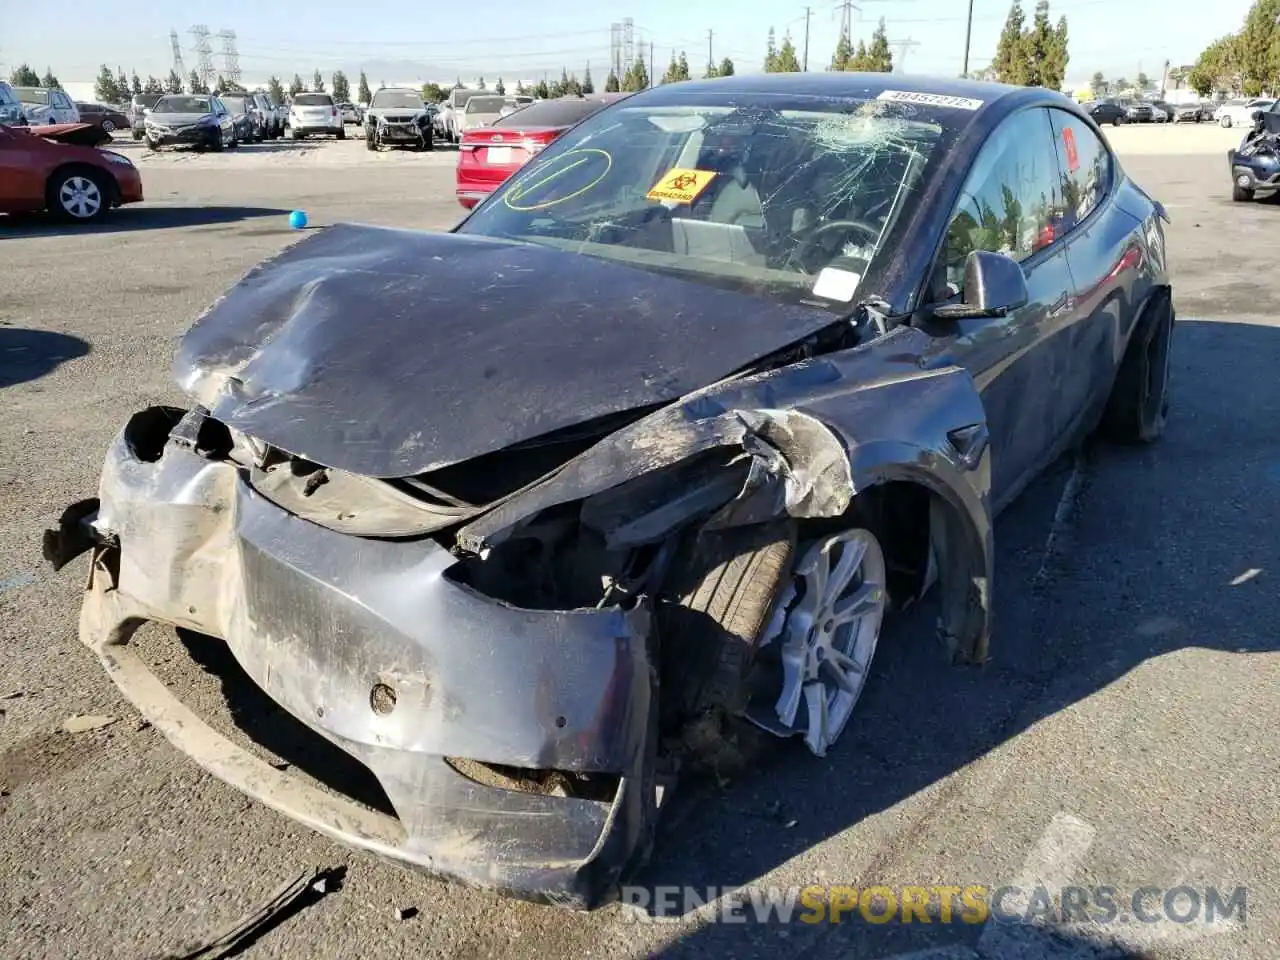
653, 440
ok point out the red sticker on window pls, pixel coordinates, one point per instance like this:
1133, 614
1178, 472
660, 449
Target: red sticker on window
1069, 141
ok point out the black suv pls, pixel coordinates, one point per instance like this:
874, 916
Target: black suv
1107, 111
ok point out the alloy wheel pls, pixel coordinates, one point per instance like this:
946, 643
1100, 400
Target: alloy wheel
830, 623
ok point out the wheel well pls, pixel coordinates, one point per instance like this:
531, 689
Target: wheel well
104, 177
897, 512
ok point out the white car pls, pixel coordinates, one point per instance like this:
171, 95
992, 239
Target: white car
315, 113
1159, 114
42, 105
1240, 112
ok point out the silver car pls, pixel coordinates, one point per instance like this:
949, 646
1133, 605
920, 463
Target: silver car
315, 113
398, 116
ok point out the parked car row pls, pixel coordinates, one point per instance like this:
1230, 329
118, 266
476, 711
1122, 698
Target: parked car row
1121, 110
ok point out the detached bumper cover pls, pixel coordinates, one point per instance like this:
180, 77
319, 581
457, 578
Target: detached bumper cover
317, 619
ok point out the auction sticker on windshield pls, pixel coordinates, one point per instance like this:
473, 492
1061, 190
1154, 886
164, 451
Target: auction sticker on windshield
682, 186
929, 99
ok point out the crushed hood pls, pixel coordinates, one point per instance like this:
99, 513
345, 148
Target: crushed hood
390, 353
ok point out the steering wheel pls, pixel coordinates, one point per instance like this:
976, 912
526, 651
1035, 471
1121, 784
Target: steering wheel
805, 247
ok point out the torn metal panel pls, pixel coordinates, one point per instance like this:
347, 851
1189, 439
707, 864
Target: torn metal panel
467, 352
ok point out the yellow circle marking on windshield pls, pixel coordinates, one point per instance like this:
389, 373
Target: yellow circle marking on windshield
520, 191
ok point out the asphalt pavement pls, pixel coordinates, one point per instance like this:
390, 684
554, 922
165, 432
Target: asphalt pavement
1123, 734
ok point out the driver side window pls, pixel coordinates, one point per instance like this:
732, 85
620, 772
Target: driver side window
1012, 198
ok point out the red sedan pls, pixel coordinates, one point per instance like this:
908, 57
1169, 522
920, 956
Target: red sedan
489, 155
72, 181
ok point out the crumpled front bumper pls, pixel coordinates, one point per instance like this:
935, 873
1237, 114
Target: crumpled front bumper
319, 619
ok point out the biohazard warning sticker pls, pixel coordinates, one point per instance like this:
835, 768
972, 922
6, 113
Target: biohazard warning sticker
681, 186
929, 99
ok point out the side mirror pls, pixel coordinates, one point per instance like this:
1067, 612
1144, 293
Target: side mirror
994, 285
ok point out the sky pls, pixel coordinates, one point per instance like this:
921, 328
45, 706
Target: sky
402, 40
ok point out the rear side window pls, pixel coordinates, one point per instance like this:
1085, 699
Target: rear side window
1012, 198
1085, 164
313, 100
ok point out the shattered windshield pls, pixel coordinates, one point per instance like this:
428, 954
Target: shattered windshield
792, 200
182, 105
397, 99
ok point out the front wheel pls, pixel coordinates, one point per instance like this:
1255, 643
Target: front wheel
1225, 121
342, 133
81, 194
754, 625
108, 126
1241, 194
371, 142
137, 135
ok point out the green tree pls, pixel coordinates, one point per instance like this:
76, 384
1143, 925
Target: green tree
275, 91
104, 88
500, 88
154, 86
195, 85
860, 62
726, 67
365, 94
520, 91
317, 83
1054, 70
434, 93
637, 77
786, 60
135, 85
1121, 85
296, 86
841, 59
588, 87
220, 85
49, 81
122, 86
173, 82
1218, 68
541, 90
24, 76
1143, 81
683, 67
771, 53
341, 88
1257, 51
612, 84
480, 85
879, 56
1010, 63
712, 71
1098, 84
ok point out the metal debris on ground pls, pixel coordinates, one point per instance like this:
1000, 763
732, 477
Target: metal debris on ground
85, 723
291, 897
406, 913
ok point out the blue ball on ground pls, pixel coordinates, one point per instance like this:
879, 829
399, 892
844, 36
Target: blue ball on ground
297, 220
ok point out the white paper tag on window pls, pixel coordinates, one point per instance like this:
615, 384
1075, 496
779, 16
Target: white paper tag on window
836, 284
930, 99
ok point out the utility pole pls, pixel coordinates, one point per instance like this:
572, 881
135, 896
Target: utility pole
968, 32
651, 78
711, 58
808, 12
903, 46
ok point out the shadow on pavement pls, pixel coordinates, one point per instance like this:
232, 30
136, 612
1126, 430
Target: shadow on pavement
126, 219
31, 354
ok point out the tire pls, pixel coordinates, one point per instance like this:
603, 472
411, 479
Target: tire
137, 135
1241, 194
1138, 407
219, 144
429, 144
342, 133
1225, 122
371, 143
152, 145
719, 595
108, 126
79, 194
1120, 121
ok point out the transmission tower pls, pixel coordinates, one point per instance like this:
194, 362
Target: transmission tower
846, 18
615, 49
178, 67
230, 57
204, 53
628, 41
903, 46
